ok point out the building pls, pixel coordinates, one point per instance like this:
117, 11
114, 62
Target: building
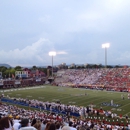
21, 74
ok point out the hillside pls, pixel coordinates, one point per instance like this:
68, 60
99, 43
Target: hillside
6, 65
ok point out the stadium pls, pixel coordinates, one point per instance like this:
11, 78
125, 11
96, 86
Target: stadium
65, 65
99, 95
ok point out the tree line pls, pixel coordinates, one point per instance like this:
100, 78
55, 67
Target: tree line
8, 72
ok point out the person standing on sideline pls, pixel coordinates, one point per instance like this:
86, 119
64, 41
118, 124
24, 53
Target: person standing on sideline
122, 96
111, 102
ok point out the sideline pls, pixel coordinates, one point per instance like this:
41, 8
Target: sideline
17, 89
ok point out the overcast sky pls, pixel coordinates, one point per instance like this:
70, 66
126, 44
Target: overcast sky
75, 29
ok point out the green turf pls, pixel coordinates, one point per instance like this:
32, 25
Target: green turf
75, 96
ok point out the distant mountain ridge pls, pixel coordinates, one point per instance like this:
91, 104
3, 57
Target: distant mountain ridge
6, 65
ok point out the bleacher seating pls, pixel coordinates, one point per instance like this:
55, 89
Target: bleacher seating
114, 78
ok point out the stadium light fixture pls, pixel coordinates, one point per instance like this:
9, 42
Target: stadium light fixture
105, 46
52, 54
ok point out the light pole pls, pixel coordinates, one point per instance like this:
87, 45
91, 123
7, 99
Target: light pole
52, 54
105, 46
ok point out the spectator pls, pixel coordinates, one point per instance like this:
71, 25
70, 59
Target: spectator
16, 124
57, 125
65, 128
37, 125
43, 125
71, 126
47, 126
25, 125
33, 122
5, 124
52, 126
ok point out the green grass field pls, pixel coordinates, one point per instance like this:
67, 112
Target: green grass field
75, 96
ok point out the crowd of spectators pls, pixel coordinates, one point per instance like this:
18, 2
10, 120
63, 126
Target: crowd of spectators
116, 79
15, 118
41, 119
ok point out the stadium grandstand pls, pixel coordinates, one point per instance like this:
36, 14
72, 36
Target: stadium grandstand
116, 79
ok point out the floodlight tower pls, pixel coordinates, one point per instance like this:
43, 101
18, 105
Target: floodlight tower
52, 54
105, 46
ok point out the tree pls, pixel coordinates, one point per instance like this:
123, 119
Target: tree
100, 66
12, 71
82, 67
117, 66
78, 67
34, 67
18, 68
3, 70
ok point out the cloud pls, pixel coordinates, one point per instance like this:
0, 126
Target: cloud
100, 16
45, 19
78, 27
61, 52
123, 58
35, 54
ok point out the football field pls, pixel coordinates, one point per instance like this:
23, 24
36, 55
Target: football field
75, 96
